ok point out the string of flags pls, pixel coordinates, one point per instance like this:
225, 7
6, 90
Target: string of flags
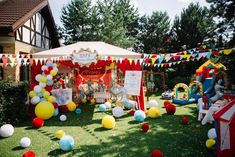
154, 60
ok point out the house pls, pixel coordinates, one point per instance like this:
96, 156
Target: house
26, 27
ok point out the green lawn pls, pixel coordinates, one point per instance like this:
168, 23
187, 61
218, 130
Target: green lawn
125, 140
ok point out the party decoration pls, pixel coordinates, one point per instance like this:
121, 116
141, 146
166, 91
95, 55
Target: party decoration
92, 101
64, 109
35, 100
108, 122
63, 118
43, 79
139, 115
157, 153
38, 122
153, 103
153, 112
71, 106
184, 120
46, 94
44, 110
118, 111
210, 143
51, 99
32, 94
166, 103
25, 142
56, 112
29, 153
107, 105
102, 108
37, 88
170, 109
6, 130
212, 133
145, 127
78, 111
84, 100
59, 134
66, 143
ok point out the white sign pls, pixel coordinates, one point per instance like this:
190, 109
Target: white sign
132, 82
84, 57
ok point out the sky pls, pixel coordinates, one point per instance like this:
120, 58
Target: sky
173, 7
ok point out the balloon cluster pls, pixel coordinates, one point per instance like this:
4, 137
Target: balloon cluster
42, 92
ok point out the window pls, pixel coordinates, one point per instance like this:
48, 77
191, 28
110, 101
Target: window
1, 69
26, 35
38, 40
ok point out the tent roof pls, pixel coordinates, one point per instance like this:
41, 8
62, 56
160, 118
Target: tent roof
102, 48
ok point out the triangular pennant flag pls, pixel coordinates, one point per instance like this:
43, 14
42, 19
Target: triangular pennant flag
185, 53
12, 64
160, 59
153, 60
158, 65
154, 65
228, 51
162, 65
178, 62
174, 63
12, 60
0, 56
170, 64
141, 61
135, 61
208, 55
130, 60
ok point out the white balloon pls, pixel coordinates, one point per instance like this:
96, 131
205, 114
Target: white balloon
6, 130
55, 65
107, 104
38, 77
44, 67
35, 100
42, 84
63, 117
25, 142
49, 77
153, 103
118, 111
55, 69
212, 134
37, 88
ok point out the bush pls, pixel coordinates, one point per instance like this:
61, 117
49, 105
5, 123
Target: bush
13, 99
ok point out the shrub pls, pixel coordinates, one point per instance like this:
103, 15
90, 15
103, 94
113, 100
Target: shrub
13, 102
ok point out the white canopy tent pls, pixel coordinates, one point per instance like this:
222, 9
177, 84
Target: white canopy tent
102, 48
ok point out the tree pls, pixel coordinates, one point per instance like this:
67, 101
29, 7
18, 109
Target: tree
224, 11
153, 32
192, 27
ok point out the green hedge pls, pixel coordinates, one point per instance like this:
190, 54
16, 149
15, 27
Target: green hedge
13, 97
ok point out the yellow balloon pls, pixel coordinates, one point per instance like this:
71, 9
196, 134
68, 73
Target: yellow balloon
154, 112
44, 110
43, 79
46, 94
59, 134
93, 101
84, 101
51, 99
110, 100
32, 94
210, 143
71, 106
119, 104
43, 90
108, 122
53, 72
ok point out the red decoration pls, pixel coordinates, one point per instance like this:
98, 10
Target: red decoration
166, 103
48, 88
131, 112
32, 86
38, 122
47, 72
29, 153
170, 109
184, 120
64, 109
55, 105
50, 68
157, 153
145, 127
31, 110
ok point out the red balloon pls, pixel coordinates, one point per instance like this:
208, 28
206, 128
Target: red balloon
38, 122
55, 105
170, 109
47, 72
145, 127
48, 88
184, 120
166, 103
50, 68
29, 153
157, 153
131, 112
64, 109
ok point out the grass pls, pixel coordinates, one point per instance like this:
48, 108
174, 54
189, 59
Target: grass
125, 140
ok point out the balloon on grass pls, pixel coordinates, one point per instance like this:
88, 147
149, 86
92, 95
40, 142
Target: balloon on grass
25, 142
66, 143
6, 130
44, 110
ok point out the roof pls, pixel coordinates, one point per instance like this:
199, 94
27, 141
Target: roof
13, 13
102, 48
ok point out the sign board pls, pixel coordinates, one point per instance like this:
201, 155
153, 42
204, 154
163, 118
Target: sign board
132, 82
84, 57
